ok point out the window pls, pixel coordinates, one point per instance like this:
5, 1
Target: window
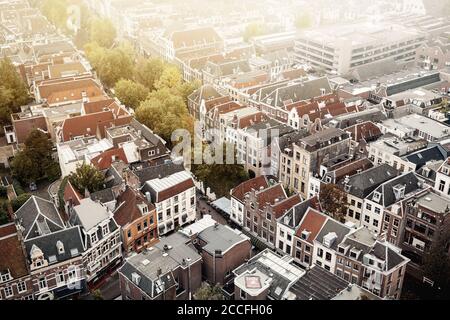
139, 227
6, 277
42, 283
289, 237
328, 256
151, 153
60, 278
129, 233
357, 216
307, 248
282, 233
441, 185
375, 223
269, 216
243, 295
145, 224
377, 210
288, 249
8, 292
22, 286
306, 259
105, 230
93, 238
369, 206
366, 218
320, 252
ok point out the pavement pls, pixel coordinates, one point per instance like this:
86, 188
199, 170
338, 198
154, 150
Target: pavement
109, 288
203, 208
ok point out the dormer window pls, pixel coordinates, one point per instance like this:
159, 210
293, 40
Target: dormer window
94, 238
60, 247
342, 248
354, 253
305, 234
399, 191
376, 196
105, 230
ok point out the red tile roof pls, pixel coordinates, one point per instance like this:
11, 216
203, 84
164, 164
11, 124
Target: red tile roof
93, 124
312, 222
70, 194
281, 207
194, 37
128, 210
174, 190
366, 130
270, 195
104, 160
245, 187
12, 256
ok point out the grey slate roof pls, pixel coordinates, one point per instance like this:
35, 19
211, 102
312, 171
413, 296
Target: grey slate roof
104, 196
298, 92
409, 180
146, 132
318, 284
150, 282
294, 216
71, 238
336, 227
362, 184
421, 157
219, 237
38, 216
162, 170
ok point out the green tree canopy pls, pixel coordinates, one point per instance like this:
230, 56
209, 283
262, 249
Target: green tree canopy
87, 177
149, 71
116, 64
33, 162
130, 93
437, 264
333, 201
103, 32
170, 78
164, 112
56, 12
220, 177
13, 91
208, 292
19, 201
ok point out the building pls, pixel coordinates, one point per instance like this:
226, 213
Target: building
389, 193
174, 198
238, 197
375, 265
425, 218
262, 210
170, 270
16, 282
391, 150
341, 49
222, 249
54, 251
101, 235
266, 276
138, 221
442, 181
360, 185
307, 156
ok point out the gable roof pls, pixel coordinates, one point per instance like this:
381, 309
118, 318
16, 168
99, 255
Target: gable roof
38, 216
312, 222
128, 210
295, 214
245, 187
104, 160
281, 207
12, 256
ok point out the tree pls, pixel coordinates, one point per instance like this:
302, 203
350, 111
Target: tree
87, 177
170, 78
253, 30
185, 89
13, 91
19, 201
56, 12
148, 71
333, 201
37, 150
103, 32
130, 93
164, 112
221, 177
115, 64
208, 292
